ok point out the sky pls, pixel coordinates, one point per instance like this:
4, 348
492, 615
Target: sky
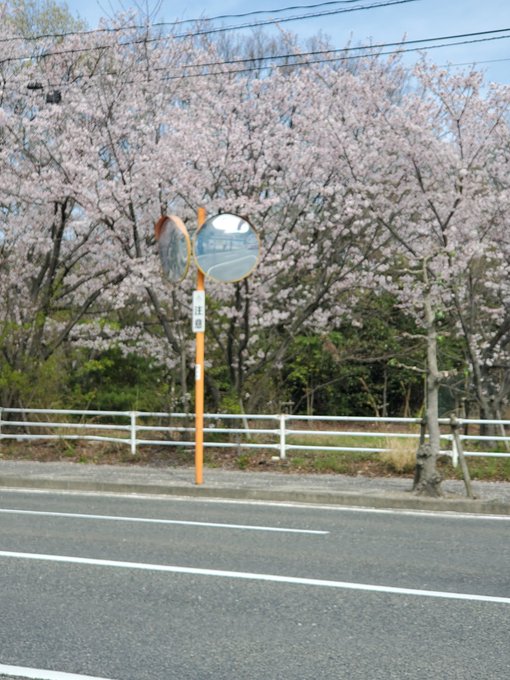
410, 19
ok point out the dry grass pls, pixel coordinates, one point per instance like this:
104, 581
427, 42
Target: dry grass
400, 459
401, 455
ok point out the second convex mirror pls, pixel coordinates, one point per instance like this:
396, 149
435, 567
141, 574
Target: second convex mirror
226, 248
174, 247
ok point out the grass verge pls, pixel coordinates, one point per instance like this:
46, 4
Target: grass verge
398, 461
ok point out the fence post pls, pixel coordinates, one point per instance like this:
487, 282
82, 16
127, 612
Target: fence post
457, 443
455, 451
283, 425
133, 432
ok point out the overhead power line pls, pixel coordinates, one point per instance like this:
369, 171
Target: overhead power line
280, 10
311, 58
346, 52
348, 57
178, 22
402, 47
146, 40
480, 61
220, 17
297, 17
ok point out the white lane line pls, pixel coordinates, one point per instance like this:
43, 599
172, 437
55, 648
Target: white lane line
42, 674
114, 518
273, 578
230, 262
435, 514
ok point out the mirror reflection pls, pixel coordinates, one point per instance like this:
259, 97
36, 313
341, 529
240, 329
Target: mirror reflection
174, 247
227, 248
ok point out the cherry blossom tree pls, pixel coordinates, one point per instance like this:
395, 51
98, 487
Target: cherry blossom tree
353, 181
264, 154
29, 18
442, 203
66, 256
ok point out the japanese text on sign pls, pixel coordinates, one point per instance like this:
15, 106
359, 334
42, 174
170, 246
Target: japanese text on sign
198, 315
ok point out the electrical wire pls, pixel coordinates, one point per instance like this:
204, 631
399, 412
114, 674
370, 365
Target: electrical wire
381, 47
374, 46
475, 63
315, 15
146, 40
177, 22
332, 60
402, 47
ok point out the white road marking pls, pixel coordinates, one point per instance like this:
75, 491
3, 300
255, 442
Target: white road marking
114, 518
273, 578
449, 514
436, 514
229, 262
41, 674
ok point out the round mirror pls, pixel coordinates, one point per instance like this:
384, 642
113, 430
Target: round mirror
226, 248
174, 247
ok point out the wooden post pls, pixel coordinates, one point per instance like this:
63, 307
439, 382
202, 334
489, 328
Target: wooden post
454, 424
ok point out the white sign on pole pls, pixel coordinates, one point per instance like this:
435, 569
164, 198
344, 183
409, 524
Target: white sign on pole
198, 315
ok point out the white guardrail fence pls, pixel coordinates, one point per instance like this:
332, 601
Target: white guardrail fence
278, 434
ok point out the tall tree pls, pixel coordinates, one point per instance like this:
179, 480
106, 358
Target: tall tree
442, 206
354, 183
33, 18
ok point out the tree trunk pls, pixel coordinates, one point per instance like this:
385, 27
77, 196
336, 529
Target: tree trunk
427, 480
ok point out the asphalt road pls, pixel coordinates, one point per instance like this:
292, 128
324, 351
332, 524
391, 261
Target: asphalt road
220, 590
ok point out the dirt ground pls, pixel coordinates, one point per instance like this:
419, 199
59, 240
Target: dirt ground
99, 453
372, 465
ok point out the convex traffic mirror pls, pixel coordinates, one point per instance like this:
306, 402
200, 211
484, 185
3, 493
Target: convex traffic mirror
226, 248
174, 247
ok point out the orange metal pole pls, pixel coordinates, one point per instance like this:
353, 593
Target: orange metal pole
199, 381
